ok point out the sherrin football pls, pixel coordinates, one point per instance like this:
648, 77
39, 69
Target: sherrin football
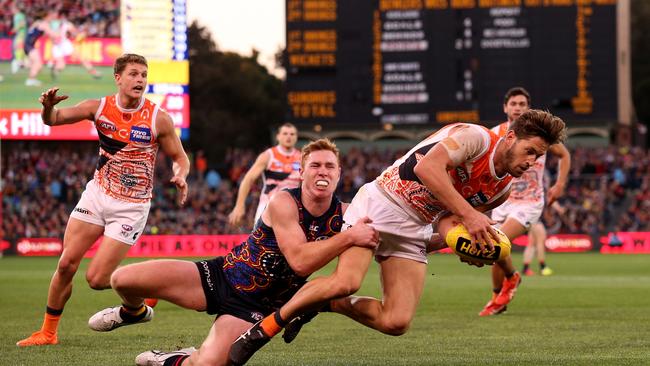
460, 242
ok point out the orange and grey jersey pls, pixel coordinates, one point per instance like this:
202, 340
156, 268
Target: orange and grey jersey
127, 149
529, 188
282, 171
471, 149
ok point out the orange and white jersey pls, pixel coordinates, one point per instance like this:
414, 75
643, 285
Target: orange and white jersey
471, 149
282, 171
127, 149
530, 186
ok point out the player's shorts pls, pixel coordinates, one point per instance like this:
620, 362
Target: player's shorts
525, 213
62, 49
221, 298
123, 221
400, 234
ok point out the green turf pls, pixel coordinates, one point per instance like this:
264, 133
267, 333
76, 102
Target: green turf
593, 311
73, 81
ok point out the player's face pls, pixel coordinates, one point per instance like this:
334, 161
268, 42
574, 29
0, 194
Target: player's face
132, 82
287, 137
515, 107
320, 173
522, 154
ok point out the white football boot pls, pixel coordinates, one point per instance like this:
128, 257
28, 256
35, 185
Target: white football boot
158, 358
109, 319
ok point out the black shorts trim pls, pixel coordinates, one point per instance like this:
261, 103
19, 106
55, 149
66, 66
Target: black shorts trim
222, 299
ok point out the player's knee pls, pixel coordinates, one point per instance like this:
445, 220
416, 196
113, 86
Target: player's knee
98, 281
346, 285
67, 267
396, 326
119, 280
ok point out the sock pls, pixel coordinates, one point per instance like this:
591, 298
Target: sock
132, 315
51, 320
542, 265
526, 266
273, 324
175, 360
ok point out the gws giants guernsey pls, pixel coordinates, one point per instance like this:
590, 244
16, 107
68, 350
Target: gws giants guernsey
127, 149
471, 148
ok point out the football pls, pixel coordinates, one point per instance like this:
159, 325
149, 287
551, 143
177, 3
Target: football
460, 242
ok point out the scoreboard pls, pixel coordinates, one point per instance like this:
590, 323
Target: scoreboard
364, 62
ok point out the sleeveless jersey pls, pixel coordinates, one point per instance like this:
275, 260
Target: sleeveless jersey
529, 188
257, 268
471, 149
282, 171
127, 149
33, 34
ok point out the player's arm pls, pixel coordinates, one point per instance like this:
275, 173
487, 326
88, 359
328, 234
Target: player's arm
53, 116
564, 165
247, 182
172, 147
432, 172
307, 257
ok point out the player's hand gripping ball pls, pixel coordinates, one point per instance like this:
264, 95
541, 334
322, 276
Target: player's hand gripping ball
460, 242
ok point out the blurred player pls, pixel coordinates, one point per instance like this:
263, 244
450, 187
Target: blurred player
295, 237
38, 28
116, 201
279, 167
20, 32
63, 47
446, 178
525, 204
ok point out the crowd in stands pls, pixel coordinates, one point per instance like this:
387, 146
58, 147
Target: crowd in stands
609, 189
96, 18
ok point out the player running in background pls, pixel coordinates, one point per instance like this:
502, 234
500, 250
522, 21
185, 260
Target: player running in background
38, 28
525, 204
63, 47
279, 167
20, 33
446, 178
116, 201
296, 236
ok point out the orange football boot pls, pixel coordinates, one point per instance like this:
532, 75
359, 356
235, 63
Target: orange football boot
39, 338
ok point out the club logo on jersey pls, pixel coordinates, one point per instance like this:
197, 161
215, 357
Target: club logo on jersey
140, 134
477, 199
126, 117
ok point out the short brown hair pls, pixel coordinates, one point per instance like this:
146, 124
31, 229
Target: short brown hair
513, 92
318, 145
128, 58
288, 125
542, 124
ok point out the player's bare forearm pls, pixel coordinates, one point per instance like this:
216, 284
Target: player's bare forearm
435, 177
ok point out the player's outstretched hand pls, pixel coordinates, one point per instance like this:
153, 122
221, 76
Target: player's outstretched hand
364, 235
49, 98
480, 228
181, 185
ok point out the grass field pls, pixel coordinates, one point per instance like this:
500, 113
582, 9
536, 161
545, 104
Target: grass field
73, 81
594, 311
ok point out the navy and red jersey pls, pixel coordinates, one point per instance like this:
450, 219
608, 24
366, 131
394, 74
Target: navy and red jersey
257, 268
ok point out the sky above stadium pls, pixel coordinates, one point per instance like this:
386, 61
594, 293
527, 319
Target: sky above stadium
242, 25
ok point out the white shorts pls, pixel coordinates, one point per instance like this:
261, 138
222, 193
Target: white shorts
62, 49
400, 234
525, 213
122, 221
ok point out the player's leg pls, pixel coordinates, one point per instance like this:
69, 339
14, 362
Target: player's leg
530, 250
540, 236
35, 65
402, 283
78, 238
505, 278
176, 281
213, 351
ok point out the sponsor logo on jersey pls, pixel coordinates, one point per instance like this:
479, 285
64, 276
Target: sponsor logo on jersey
477, 199
206, 272
140, 134
84, 211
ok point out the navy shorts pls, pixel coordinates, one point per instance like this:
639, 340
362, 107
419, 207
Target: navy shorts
222, 299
